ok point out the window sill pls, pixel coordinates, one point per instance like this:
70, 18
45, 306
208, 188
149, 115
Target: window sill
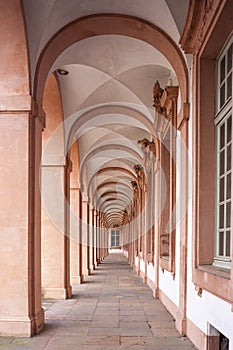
217, 271
166, 264
149, 258
215, 280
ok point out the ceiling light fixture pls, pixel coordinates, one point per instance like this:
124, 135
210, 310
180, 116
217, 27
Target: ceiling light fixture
62, 71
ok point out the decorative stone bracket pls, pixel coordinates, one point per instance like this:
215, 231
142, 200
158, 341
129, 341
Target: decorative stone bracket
165, 103
150, 154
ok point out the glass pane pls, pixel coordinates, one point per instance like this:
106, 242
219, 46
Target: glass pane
229, 157
220, 243
221, 216
222, 162
228, 243
228, 186
222, 95
229, 129
222, 69
228, 215
222, 136
229, 86
221, 189
229, 58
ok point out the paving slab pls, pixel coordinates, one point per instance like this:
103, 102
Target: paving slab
111, 310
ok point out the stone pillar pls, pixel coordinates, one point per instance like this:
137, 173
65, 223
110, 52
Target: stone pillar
55, 235
181, 320
85, 237
75, 235
98, 238
91, 237
21, 123
95, 237
106, 243
101, 239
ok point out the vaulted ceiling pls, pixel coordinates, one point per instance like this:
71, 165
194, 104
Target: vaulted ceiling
108, 90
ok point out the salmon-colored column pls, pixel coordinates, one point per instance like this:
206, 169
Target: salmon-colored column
98, 237
75, 229
55, 230
181, 321
85, 237
91, 237
105, 242
101, 238
95, 237
21, 313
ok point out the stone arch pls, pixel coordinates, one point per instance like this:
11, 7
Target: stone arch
104, 24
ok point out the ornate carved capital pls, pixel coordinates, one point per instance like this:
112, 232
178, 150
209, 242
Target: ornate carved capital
157, 92
140, 174
148, 146
165, 103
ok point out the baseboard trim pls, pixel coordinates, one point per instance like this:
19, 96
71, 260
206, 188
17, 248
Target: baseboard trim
22, 326
197, 337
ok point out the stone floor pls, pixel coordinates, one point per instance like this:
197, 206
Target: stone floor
113, 309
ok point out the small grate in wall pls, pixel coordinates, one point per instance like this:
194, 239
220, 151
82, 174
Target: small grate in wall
224, 342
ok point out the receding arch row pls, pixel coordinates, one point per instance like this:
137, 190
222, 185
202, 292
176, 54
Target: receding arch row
103, 207
110, 193
135, 158
111, 187
126, 112
115, 169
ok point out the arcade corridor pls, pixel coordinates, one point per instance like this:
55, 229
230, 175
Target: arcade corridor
112, 310
116, 134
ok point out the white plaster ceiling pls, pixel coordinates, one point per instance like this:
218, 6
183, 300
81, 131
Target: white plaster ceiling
112, 76
46, 17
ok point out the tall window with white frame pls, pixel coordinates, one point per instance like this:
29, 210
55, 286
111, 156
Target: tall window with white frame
115, 238
223, 126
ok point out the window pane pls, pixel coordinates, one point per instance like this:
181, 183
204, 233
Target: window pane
222, 162
229, 58
224, 153
229, 157
228, 186
228, 243
229, 86
221, 189
222, 136
222, 69
229, 129
228, 215
220, 243
221, 216
222, 95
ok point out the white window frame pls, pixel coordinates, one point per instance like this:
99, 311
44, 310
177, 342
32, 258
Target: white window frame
115, 236
222, 115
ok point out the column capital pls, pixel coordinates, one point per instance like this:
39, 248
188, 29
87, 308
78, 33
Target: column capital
84, 198
57, 161
74, 185
22, 104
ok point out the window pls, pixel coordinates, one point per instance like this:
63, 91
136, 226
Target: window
211, 140
223, 126
115, 238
